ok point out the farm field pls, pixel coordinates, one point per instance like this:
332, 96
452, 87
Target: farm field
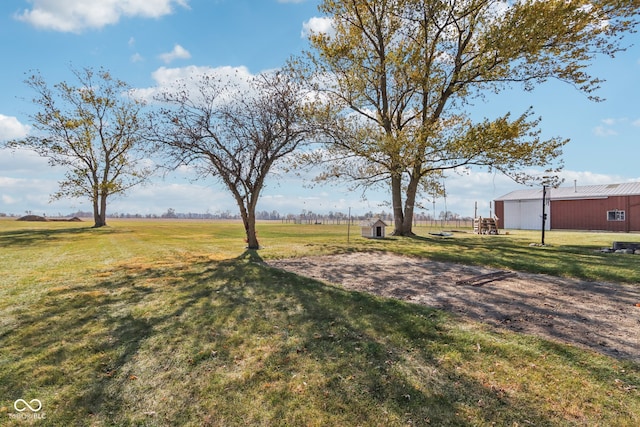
166, 323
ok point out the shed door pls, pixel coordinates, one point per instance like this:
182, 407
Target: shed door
378, 231
525, 215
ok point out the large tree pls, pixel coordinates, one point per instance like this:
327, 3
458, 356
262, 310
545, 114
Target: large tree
235, 133
93, 129
399, 74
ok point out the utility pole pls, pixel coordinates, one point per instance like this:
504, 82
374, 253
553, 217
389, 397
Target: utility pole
544, 213
349, 226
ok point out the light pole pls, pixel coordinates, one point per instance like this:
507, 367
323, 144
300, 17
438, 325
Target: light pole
544, 213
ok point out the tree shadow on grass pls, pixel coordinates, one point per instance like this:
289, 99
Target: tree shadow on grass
499, 252
375, 358
236, 342
33, 237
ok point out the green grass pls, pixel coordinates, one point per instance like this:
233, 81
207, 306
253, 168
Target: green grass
171, 323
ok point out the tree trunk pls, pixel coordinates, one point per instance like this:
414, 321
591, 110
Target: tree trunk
403, 216
249, 220
96, 212
248, 214
100, 211
396, 200
103, 210
250, 227
409, 207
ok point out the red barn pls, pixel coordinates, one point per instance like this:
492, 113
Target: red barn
609, 207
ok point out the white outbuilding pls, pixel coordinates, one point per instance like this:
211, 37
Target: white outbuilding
373, 228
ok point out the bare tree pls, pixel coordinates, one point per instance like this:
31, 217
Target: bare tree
234, 134
95, 130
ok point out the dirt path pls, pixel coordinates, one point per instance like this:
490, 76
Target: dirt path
599, 316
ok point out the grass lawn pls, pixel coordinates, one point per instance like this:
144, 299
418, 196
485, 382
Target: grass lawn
173, 323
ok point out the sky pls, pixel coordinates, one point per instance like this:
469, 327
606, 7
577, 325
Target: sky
148, 42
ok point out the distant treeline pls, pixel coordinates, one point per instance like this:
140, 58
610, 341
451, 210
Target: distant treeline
304, 217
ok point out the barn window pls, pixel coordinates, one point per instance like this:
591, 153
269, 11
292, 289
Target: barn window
615, 215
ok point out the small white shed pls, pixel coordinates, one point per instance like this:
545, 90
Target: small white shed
373, 228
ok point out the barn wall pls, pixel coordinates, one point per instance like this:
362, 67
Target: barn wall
634, 213
498, 206
592, 214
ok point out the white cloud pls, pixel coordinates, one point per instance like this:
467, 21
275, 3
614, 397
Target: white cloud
178, 52
11, 128
29, 194
612, 121
616, 126
167, 79
582, 178
22, 163
604, 132
317, 25
76, 16
181, 196
136, 57
8, 200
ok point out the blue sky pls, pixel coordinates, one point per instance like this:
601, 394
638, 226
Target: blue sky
145, 41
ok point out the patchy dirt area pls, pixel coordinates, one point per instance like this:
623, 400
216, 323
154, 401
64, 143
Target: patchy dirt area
599, 316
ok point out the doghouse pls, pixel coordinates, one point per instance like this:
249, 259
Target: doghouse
373, 228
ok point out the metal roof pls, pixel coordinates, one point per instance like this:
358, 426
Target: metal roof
372, 222
576, 192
